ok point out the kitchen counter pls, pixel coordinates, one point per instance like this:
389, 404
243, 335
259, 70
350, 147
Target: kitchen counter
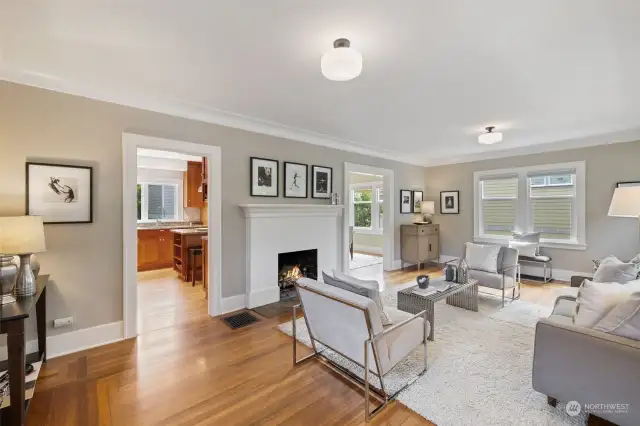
192, 231
173, 225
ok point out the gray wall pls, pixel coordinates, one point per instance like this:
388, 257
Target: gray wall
605, 165
85, 261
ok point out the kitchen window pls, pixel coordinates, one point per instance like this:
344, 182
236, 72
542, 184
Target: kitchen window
366, 207
158, 201
546, 199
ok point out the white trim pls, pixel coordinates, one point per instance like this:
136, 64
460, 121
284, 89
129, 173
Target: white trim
368, 249
367, 231
130, 143
262, 297
233, 303
86, 338
388, 228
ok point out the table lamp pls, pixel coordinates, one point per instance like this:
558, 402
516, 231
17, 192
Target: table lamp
22, 236
626, 203
428, 210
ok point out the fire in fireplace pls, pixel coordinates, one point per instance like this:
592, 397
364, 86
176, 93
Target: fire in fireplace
296, 264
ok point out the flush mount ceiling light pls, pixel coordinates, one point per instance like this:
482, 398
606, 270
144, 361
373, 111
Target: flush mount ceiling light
341, 63
490, 137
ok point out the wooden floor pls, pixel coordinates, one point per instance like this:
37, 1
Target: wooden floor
200, 372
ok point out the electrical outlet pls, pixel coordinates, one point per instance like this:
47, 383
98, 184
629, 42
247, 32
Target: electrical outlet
62, 322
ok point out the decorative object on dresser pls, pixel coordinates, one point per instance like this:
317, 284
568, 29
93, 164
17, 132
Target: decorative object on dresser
450, 202
295, 180
335, 199
428, 209
417, 201
322, 182
405, 201
419, 244
264, 177
22, 236
59, 193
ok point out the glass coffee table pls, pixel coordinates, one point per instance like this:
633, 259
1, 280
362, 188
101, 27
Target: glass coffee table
463, 296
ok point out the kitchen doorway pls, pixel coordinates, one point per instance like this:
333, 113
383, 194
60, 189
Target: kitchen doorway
171, 232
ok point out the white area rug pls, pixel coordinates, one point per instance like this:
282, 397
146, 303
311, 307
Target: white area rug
479, 370
360, 260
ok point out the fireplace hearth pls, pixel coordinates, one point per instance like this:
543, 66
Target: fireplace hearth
294, 265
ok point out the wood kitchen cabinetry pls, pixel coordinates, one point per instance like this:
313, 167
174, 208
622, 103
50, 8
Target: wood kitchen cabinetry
155, 249
192, 184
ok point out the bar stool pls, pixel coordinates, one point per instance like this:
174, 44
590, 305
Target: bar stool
194, 252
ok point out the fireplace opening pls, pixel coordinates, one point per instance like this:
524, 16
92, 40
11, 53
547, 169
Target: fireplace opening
294, 265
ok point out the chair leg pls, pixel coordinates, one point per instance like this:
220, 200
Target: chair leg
503, 295
424, 338
552, 401
366, 382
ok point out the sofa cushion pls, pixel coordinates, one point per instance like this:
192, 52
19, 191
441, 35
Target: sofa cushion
595, 300
616, 272
565, 308
624, 319
372, 292
482, 258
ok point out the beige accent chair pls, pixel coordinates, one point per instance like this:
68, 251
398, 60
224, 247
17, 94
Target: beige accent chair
507, 277
349, 324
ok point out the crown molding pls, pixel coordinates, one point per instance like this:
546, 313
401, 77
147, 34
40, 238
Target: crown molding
179, 108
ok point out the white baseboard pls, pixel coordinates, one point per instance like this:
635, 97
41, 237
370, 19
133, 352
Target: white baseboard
31, 346
79, 340
368, 249
263, 297
233, 303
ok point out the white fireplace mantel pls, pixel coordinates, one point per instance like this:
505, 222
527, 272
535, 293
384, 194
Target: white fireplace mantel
272, 229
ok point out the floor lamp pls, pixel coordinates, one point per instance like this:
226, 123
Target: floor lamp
626, 203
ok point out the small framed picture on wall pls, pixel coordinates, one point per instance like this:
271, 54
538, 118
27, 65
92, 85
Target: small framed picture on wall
295, 180
264, 177
405, 201
322, 182
450, 202
417, 201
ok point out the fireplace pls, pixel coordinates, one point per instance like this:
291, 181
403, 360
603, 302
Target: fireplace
294, 265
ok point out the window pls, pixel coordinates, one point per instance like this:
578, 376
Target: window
546, 199
367, 211
158, 201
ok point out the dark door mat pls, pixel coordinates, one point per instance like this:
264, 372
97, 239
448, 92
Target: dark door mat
240, 320
277, 309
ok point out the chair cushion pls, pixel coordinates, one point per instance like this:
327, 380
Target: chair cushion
488, 279
564, 308
403, 340
524, 248
482, 258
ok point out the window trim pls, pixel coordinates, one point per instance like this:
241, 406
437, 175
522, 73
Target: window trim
376, 227
523, 203
144, 200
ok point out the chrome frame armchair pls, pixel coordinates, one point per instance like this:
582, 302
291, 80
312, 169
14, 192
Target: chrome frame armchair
369, 344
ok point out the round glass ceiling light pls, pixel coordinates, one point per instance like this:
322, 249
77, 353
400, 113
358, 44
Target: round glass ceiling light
490, 137
341, 63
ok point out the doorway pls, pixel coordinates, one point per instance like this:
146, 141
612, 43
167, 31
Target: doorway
368, 220
171, 232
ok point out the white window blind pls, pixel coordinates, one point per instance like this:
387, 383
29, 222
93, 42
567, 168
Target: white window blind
158, 201
499, 198
552, 206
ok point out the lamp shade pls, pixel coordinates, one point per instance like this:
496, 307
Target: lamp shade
428, 207
342, 63
625, 202
21, 235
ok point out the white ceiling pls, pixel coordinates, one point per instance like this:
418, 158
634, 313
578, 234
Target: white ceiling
549, 74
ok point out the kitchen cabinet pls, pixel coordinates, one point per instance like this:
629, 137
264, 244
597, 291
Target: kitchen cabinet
205, 180
183, 240
155, 249
193, 184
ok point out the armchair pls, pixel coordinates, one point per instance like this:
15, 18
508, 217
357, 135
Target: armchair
349, 325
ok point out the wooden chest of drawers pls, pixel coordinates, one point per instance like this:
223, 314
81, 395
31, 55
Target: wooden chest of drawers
420, 243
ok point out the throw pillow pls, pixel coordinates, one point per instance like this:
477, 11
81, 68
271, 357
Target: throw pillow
624, 319
482, 258
374, 292
635, 259
328, 279
614, 271
596, 299
529, 237
524, 248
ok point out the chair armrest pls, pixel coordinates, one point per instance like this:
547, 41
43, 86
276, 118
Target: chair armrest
510, 271
573, 363
396, 326
576, 280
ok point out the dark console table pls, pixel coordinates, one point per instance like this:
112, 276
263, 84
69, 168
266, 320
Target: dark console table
12, 320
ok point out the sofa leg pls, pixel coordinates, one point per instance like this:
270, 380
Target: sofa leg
552, 401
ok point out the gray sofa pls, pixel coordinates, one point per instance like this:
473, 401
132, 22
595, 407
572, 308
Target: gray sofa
572, 363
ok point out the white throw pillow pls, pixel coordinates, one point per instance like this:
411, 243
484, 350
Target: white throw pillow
595, 300
624, 319
612, 269
373, 290
482, 258
524, 249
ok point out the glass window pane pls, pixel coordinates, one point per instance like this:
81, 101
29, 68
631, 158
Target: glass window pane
155, 201
362, 215
560, 180
169, 202
362, 195
500, 188
537, 181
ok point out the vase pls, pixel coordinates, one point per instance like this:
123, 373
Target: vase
8, 274
450, 273
423, 281
463, 271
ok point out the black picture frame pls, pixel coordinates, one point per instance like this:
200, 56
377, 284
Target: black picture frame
275, 175
28, 212
314, 183
456, 202
629, 183
306, 180
407, 193
413, 201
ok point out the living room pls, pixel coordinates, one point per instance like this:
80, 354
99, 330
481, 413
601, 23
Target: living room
504, 135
